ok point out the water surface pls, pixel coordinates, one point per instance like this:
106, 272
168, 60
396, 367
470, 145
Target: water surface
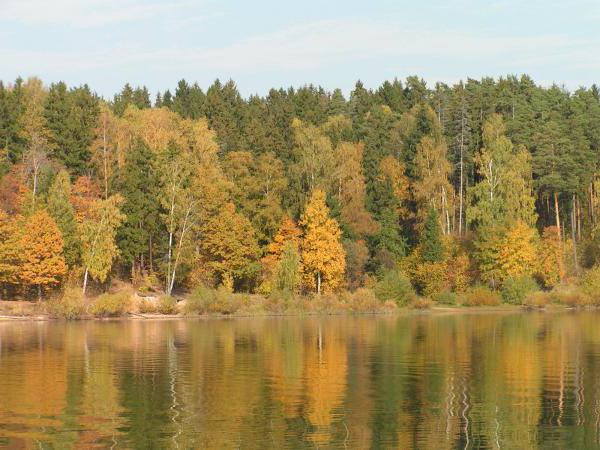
488, 380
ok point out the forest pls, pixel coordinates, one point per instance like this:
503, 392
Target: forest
473, 193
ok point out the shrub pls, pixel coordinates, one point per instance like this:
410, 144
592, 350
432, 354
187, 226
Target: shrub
446, 298
363, 300
421, 303
69, 306
146, 306
111, 305
590, 284
515, 290
167, 305
538, 299
205, 300
481, 296
569, 296
431, 277
394, 286
327, 302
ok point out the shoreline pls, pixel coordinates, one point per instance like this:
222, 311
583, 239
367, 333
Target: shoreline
437, 310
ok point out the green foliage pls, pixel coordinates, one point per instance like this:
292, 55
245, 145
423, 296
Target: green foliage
446, 298
432, 249
111, 305
137, 182
516, 290
287, 276
61, 210
212, 301
590, 284
394, 286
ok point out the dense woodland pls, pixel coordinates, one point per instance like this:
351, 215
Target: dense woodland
303, 190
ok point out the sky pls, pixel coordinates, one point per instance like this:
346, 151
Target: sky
262, 44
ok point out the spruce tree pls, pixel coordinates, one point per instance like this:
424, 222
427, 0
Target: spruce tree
432, 249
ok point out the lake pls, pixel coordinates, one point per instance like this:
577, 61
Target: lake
427, 381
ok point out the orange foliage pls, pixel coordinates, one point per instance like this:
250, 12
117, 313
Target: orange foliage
42, 247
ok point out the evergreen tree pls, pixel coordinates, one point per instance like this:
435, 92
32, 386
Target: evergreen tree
137, 182
60, 208
432, 249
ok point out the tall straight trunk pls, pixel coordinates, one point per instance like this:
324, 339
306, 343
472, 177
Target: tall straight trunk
104, 156
592, 210
557, 215
573, 233
578, 219
461, 182
319, 283
85, 280
150, 257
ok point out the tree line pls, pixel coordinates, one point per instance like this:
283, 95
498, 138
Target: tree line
299, 190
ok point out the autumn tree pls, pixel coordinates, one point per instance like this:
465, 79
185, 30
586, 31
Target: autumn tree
509, 252
11, 253
504, 192
432, 188
288, 235
42, 246
323, 256
350, 190
228, 247
97, 232
551, 258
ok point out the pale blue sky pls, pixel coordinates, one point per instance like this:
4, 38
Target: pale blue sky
263, 44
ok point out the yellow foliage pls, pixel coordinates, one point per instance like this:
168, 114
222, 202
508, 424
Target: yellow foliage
517, 251
323, 256
551, 258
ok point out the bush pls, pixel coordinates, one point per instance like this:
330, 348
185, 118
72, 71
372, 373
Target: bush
205, 300
446, 298
394, 286
481, 296
515, 290
538, 299
421, 303
327, 302
569, 296
69, 306
363, 300
167, 305
111, 305
590, 285
146, 306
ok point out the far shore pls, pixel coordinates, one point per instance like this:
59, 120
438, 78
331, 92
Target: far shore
438, 310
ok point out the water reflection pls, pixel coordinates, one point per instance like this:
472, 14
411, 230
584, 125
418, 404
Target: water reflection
420, 381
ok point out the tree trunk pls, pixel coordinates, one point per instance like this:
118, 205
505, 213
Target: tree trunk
85, 280
557, 216
573, 235
319, 283
39, 289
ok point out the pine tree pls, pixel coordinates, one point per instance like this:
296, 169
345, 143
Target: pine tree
432, 249
138, 183
323, 256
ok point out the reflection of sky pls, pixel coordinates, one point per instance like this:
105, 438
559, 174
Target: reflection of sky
266, 43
